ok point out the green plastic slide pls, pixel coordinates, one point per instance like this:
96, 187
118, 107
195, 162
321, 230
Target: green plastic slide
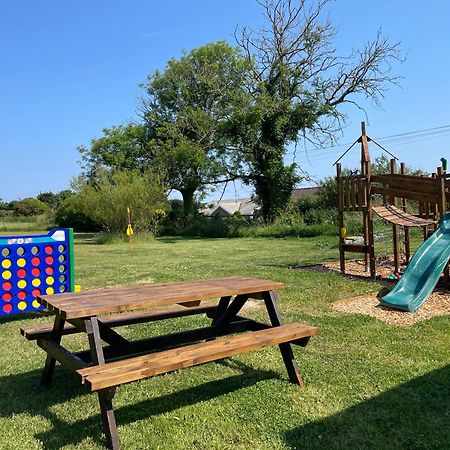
423, 271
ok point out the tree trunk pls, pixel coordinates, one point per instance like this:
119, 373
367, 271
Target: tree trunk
188, 202
274, 182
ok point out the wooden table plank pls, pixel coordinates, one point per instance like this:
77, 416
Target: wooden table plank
104, 301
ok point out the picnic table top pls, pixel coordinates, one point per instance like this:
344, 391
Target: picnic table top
103, 301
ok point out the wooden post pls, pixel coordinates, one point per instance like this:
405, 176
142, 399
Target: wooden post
442, 200
442, 209
367, 217
393, 201
406, 229
340, 217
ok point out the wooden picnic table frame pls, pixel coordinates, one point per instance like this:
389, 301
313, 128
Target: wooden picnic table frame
84, 313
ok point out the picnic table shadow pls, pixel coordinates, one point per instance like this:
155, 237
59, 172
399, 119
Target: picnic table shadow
21, 394
413, 415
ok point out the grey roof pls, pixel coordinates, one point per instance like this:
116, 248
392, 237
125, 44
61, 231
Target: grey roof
244, 206
306, 192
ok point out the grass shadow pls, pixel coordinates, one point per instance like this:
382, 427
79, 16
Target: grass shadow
22, 394
26, 316
176, 239
413, 415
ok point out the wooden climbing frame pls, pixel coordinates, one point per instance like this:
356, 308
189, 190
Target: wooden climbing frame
360, 192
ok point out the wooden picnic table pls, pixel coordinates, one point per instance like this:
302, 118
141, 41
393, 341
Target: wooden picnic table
97, 312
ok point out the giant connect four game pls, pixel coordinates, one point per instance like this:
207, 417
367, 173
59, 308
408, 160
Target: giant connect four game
32, 266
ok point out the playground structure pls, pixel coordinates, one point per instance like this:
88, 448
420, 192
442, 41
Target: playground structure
390, 197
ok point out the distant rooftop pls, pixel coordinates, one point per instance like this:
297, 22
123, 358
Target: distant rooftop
223, 208
306, 192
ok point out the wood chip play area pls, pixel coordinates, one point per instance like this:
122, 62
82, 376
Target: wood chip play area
438, 304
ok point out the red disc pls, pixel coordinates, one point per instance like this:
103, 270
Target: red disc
35, 261
22, 295
7, 308
6, 286
36, 292
48, 260
49, 270
49, 249
21, 273
7, 296
35, 272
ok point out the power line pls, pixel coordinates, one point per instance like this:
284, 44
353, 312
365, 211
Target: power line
323, 157
393, 137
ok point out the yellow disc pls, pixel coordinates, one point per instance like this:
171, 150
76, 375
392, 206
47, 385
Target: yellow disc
49, 291
36, 304
36, 282
6, 263
21, 284
6, 275
22, 305
49, 280
21, 262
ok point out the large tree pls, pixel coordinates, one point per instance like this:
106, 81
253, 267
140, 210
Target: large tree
297, 86
121, 147
186, 110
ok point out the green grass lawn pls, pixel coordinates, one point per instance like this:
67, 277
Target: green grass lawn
369, 385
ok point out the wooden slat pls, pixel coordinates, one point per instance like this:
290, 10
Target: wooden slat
104, 301
398, 217
408, 182
353, 193
355, 248
409, 194
115, 373
118, 320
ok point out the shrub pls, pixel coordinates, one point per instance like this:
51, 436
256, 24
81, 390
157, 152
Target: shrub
106, 199
69, 214
54, 200
29, 207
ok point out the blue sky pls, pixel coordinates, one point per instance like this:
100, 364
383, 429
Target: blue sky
69, 69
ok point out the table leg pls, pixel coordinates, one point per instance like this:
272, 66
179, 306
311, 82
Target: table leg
49, 368
228, 312
105, 396
221, 308
271, 302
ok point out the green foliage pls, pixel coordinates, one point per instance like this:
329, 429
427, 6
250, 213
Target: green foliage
69, 214
177, 224
29, 207
49, 198
120, 147
283, 230
296, 85
12, 224
186, 109
382, 165
327, 193
54, 200
4, 206
105, 200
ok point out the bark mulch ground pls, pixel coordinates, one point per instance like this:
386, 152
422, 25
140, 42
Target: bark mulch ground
438, 304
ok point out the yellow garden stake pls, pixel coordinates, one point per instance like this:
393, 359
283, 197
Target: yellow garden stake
130, 231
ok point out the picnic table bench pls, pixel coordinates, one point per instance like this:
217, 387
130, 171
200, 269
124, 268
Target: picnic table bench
98, 312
